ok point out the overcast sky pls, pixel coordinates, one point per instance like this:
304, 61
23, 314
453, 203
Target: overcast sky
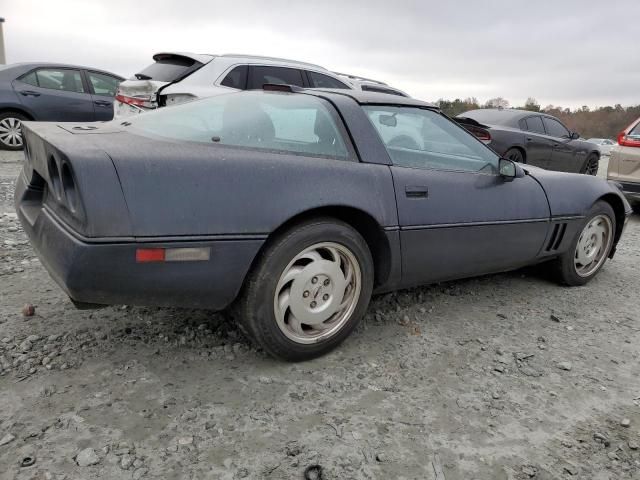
561, 52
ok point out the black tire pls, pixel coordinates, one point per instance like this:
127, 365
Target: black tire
5, 141
565, 265
591, 165
514, 154
255, 307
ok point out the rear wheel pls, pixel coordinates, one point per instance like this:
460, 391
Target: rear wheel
590, 248
591, 167
11, 130
514, 154
308, 292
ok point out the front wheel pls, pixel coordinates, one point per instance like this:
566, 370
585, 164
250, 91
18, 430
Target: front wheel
309, 290
590, 247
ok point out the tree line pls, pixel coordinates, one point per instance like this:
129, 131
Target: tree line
602, 122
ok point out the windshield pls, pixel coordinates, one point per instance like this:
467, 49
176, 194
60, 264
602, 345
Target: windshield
422, 138
284, 122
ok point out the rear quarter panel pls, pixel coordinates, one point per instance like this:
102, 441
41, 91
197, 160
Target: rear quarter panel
179, 189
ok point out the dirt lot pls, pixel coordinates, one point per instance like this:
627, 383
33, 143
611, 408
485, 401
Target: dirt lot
502, 377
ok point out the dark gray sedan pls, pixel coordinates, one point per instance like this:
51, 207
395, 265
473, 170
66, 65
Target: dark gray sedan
52, 92
533, 138
293, 206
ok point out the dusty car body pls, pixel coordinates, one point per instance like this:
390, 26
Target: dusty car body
533, 138
624, 162
294, 206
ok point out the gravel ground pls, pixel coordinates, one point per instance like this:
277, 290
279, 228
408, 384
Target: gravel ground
502, 377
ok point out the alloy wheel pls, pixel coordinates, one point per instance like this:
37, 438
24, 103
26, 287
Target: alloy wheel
317, 292
10, 132
593, 245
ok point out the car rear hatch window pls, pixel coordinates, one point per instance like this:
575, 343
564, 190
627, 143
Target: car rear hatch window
168, 68
276, 122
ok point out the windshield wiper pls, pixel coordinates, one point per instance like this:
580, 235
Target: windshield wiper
142, 76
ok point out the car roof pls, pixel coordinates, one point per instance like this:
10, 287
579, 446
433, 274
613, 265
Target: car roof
30, 65
500, 116
374, 98
206, 58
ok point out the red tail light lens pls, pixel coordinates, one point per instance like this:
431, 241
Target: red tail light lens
144, 102
145, 255
627, 141
480, 133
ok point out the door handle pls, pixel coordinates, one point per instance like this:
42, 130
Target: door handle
529, 139
102, 103
416, 191
27, 93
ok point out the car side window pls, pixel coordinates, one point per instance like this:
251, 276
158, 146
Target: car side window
275, 122
555, 128
534, 124
236, 78
64, 79
30, 78
102, 84
261, 75
318, 80
423, 138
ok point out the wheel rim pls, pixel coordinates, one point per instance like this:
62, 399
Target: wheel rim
10, 132
317, 292
593, 245
592, 167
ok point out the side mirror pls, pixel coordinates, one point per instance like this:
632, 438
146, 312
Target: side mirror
574, 136
510, 169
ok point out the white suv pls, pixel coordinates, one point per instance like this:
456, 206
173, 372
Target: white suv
176, 78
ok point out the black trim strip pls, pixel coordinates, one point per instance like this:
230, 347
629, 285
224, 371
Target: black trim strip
136, 240
474, 224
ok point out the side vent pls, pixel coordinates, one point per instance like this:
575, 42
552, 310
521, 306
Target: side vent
556, 237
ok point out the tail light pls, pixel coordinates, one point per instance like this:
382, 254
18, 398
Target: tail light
628, 141
138, 101
480, 133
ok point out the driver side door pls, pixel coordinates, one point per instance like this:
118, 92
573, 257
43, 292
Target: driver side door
458, 216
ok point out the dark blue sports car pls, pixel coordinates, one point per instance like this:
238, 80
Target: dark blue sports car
293, 206
52, 92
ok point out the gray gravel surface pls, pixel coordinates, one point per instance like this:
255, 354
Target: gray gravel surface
502, 377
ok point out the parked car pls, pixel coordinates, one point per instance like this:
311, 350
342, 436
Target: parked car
624, 163
52, 92
294, 205
604, 145
176, 78
533, 138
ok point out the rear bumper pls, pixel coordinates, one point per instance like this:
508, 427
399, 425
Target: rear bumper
105, 272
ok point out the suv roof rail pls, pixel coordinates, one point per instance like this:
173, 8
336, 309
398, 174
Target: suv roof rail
274, 59
360, 79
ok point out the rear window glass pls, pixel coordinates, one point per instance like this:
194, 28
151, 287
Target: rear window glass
166, 69
236, 78
281, 122
635, 131
318, 80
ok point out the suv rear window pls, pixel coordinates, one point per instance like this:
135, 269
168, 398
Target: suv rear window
167, 69
635, 131
299, 124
